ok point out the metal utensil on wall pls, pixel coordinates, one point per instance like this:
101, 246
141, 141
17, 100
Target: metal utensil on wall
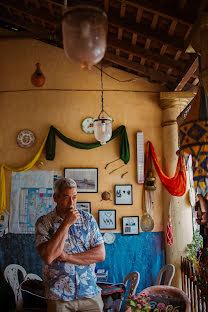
147, 222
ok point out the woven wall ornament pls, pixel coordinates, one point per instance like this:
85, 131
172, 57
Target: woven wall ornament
193, 138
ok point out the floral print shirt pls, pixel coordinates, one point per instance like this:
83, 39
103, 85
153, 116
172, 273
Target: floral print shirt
63, 280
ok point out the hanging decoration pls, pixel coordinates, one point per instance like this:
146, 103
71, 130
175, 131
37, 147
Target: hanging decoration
87, 125
176, 185
24, 168
106, 196
169, 229
50, 142
84, 29
37, 78
140, 157
25, 138
147, 222
103, 124
193, 138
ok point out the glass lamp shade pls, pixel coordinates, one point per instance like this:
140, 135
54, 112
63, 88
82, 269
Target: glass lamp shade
103, 129
84, 35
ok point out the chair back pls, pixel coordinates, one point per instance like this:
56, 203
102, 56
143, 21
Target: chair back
169, 271
168, 292
32, 276
11, 275
134, 278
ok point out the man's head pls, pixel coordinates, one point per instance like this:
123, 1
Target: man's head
65, 195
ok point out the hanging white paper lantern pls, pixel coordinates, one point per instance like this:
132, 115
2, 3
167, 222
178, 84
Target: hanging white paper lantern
84, 35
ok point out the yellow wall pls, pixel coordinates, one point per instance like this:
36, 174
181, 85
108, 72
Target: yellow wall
37, 110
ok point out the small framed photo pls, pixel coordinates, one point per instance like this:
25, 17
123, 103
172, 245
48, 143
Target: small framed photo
123, 194
86, 206
86, 178
107, 219
130, 225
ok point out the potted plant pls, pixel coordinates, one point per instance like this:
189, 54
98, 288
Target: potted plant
194, 248
138, 303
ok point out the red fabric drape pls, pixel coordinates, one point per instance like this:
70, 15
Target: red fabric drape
176, 185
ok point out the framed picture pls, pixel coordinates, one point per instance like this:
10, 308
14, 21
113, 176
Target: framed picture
86, 178
107, 219
86, 206
123, 194
130, 225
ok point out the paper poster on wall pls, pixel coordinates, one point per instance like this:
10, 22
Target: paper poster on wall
31, 197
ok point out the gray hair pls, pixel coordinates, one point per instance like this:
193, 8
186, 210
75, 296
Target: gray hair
63, 183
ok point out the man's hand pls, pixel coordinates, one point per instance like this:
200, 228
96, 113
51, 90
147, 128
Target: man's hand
72, 216
63, 257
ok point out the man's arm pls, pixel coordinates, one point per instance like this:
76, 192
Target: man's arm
54, 247
90, 256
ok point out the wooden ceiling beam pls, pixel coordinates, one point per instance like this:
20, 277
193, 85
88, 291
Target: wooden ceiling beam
202, 6
33, 13
188, 75
179, 14
146, 32
116, 21
144, 70
135, 50
36, 31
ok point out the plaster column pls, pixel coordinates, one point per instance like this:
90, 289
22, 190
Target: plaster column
199, 42
172, 103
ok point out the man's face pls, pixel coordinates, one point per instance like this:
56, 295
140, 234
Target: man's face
66, 200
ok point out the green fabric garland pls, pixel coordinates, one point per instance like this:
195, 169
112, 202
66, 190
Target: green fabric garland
51, 143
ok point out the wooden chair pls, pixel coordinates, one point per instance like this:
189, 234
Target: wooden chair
30, 308
134, 278
11, 274
32, 276
169, 272
167, 292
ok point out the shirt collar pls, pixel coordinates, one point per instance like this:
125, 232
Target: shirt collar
56, 217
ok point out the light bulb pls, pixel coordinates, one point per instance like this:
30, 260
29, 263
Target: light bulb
103, 126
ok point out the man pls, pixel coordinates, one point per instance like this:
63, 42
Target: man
69, 243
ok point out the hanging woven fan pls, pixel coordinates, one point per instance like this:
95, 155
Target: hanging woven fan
193, 137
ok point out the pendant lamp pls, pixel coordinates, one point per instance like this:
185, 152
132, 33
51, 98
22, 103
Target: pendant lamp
102, 124
84, 29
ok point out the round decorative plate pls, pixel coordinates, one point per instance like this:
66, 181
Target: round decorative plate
25, 138
87, 125
109, 238
147, 223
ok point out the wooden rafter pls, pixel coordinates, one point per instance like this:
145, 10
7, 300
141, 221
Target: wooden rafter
191, 70
178, 14
148, 72
135, 50
161, 53
37, 32
34, 12
147, 32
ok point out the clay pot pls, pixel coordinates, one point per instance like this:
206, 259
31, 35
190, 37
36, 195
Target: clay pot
37, 78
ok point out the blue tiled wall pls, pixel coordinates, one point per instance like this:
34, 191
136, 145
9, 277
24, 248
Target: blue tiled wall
143, 253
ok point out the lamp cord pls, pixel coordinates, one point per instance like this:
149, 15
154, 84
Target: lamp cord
102, 101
